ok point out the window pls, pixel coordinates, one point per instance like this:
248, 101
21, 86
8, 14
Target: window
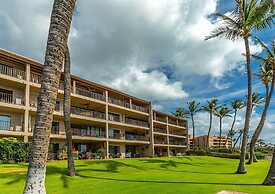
57, 106
55, 128
6, 95
5, 122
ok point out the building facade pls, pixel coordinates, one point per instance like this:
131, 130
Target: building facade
103, 119
212, 143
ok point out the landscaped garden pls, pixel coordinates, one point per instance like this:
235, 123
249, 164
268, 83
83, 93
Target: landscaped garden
190, 174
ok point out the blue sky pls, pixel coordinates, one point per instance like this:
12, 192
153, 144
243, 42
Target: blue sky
151, 49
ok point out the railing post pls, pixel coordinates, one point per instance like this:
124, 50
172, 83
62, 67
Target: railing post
74, 87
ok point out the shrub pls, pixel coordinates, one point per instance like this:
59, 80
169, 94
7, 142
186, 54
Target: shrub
260, 155
226, 155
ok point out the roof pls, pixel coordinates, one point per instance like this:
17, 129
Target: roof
170, 115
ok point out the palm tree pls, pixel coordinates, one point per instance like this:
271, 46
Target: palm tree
240, 132
248, 16
236, 105
180, 112
67, 112
57, 39
222, 113
267, 76
257, 99
231, 134
211, 108
192, 108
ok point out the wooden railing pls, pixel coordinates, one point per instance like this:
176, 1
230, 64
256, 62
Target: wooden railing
113, 117
159, 130
161, 119
136, 137
13, 72
35, 78
87, 113
87, 133
139, 108
119, 102
9, 98
89, 94
136, 122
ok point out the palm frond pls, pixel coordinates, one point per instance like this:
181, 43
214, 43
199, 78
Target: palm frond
225, 31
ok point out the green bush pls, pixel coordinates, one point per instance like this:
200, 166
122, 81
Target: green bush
260, 155
226, 155
12, 150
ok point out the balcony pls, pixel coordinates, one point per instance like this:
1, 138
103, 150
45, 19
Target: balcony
13, 72
36, 78
115, 136
161, 119
181, 123
176, 133
55, 130
113, 117
89, 94
160, 141
136, 122
139, 108
118, 102
172, 122
8, 126
178, 143
88, 133
9, 98
159, 130
87, 113
136, 137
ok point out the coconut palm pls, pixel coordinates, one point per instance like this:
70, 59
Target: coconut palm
192, 108
57, 39
67, 112
231, 134
247, 17
211, 108
240, 132
180, 112
222, 113
257, 99
267, 76
236, 105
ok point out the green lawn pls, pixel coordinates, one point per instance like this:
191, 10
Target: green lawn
161, 175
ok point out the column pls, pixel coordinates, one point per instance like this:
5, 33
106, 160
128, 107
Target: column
74, 87
167, 129
27, 103
151, 124
131, 105
107, 124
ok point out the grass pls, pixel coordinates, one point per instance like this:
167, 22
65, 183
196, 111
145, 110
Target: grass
159, 175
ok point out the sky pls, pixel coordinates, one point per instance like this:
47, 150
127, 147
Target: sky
151, 49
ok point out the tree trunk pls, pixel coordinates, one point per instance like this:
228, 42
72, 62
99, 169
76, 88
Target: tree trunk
209, 130
241, 168
237, 140
220, 132
193, 125
232, 127
67, 112
270, 178
57, 40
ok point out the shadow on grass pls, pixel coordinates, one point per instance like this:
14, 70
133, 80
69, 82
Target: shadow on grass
166, 182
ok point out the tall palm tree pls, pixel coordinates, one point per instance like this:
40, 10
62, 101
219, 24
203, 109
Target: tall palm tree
257, 99
236, 105
248, 16
57, 39
192, 108
240, 132
231, 134
267, 76
67, 112
180, 112
211, 108
222, 113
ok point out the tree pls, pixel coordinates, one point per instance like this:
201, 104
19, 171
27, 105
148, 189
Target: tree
267, 76
236, 105
211, 108
240, 132
257, 99
248, 16
192, 108
222, 113
180, 112
67, 112
57, 39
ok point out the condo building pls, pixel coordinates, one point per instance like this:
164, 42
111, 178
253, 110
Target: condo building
102, 118
213, 142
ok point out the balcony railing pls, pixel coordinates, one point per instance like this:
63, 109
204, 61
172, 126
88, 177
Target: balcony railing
8, 126
139, 108
9, 98
87, 113
136, 122
172, 122
119, 102
13, 72
89, 94
36, 78
88, 133
176, 143
159, 141
115, 136
159, 130
182, 124
113, 117
176, 133
136, 137
161, 119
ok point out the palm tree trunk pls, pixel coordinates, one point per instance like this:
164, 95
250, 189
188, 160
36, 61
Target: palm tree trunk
232, 126
241, 168
67, 112
209, 130
270, 178
260, 126
220, 132
237, 140
57, 40
193, 125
